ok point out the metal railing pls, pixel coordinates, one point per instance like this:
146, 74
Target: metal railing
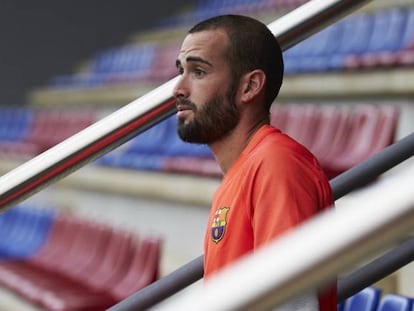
376, 270
379, 216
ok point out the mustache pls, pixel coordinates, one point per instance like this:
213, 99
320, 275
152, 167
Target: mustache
187, 103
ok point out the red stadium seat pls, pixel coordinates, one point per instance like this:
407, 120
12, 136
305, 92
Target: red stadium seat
191, 165
332, 136
143, 271
373, 130
114, 264
330, 118
83, 266
339, 136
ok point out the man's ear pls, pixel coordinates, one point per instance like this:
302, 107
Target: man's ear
252, 84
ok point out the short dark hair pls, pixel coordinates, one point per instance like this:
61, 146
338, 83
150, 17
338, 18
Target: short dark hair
251, 46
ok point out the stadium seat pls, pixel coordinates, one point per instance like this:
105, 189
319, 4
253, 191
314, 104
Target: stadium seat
387, 127
360, 136
151, 142
114, 264
192, 165
23, 231
83, 266
393, 302
324, 44
123, 64
340, 136
373, 128
329, 49
279, 116
86, 251
144, 269
163, 67
143, 152
365, 300
332, 136
34, 277
386, 37
303, 122
15, 124
405, 57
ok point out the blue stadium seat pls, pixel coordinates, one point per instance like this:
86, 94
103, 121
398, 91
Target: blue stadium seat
407, 38
139, 161
393, 302
14, 123
386, 38
145, 151
152, 141
387, 31
83, 265
323, 45
124, 59
328, 49
405, 57
362, 24
365, 300
114, 65
23, 231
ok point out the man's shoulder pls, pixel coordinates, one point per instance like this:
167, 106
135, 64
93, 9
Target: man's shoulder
277, 144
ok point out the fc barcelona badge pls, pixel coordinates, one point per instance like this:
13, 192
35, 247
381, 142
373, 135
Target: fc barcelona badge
219, 224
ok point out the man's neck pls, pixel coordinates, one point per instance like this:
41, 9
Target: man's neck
228, 149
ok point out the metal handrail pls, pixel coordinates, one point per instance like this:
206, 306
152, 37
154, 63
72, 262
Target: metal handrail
142, 113
376, 270
379, 216
343, 184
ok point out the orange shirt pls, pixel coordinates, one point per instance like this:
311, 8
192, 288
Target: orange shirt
274, 185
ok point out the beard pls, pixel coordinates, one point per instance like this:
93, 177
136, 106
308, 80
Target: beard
212, 122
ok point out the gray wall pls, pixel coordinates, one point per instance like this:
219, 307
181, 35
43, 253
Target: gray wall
40, 39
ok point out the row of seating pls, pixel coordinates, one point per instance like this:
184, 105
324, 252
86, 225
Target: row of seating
154, 61
370, 299
207, 8
340, 136
384, 38
26, 132
69, 263
79, 264
127, 64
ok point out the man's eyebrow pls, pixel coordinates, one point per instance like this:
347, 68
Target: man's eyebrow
195, 59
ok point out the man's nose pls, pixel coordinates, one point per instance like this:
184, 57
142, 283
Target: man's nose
181, 89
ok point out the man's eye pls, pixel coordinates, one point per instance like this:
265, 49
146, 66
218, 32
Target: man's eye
180, 70
199, 73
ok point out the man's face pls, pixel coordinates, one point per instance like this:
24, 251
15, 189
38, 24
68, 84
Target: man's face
205, 91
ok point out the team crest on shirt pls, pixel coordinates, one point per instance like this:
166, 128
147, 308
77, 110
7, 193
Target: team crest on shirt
218, 227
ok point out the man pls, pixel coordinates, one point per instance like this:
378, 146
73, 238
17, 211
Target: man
231, 71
